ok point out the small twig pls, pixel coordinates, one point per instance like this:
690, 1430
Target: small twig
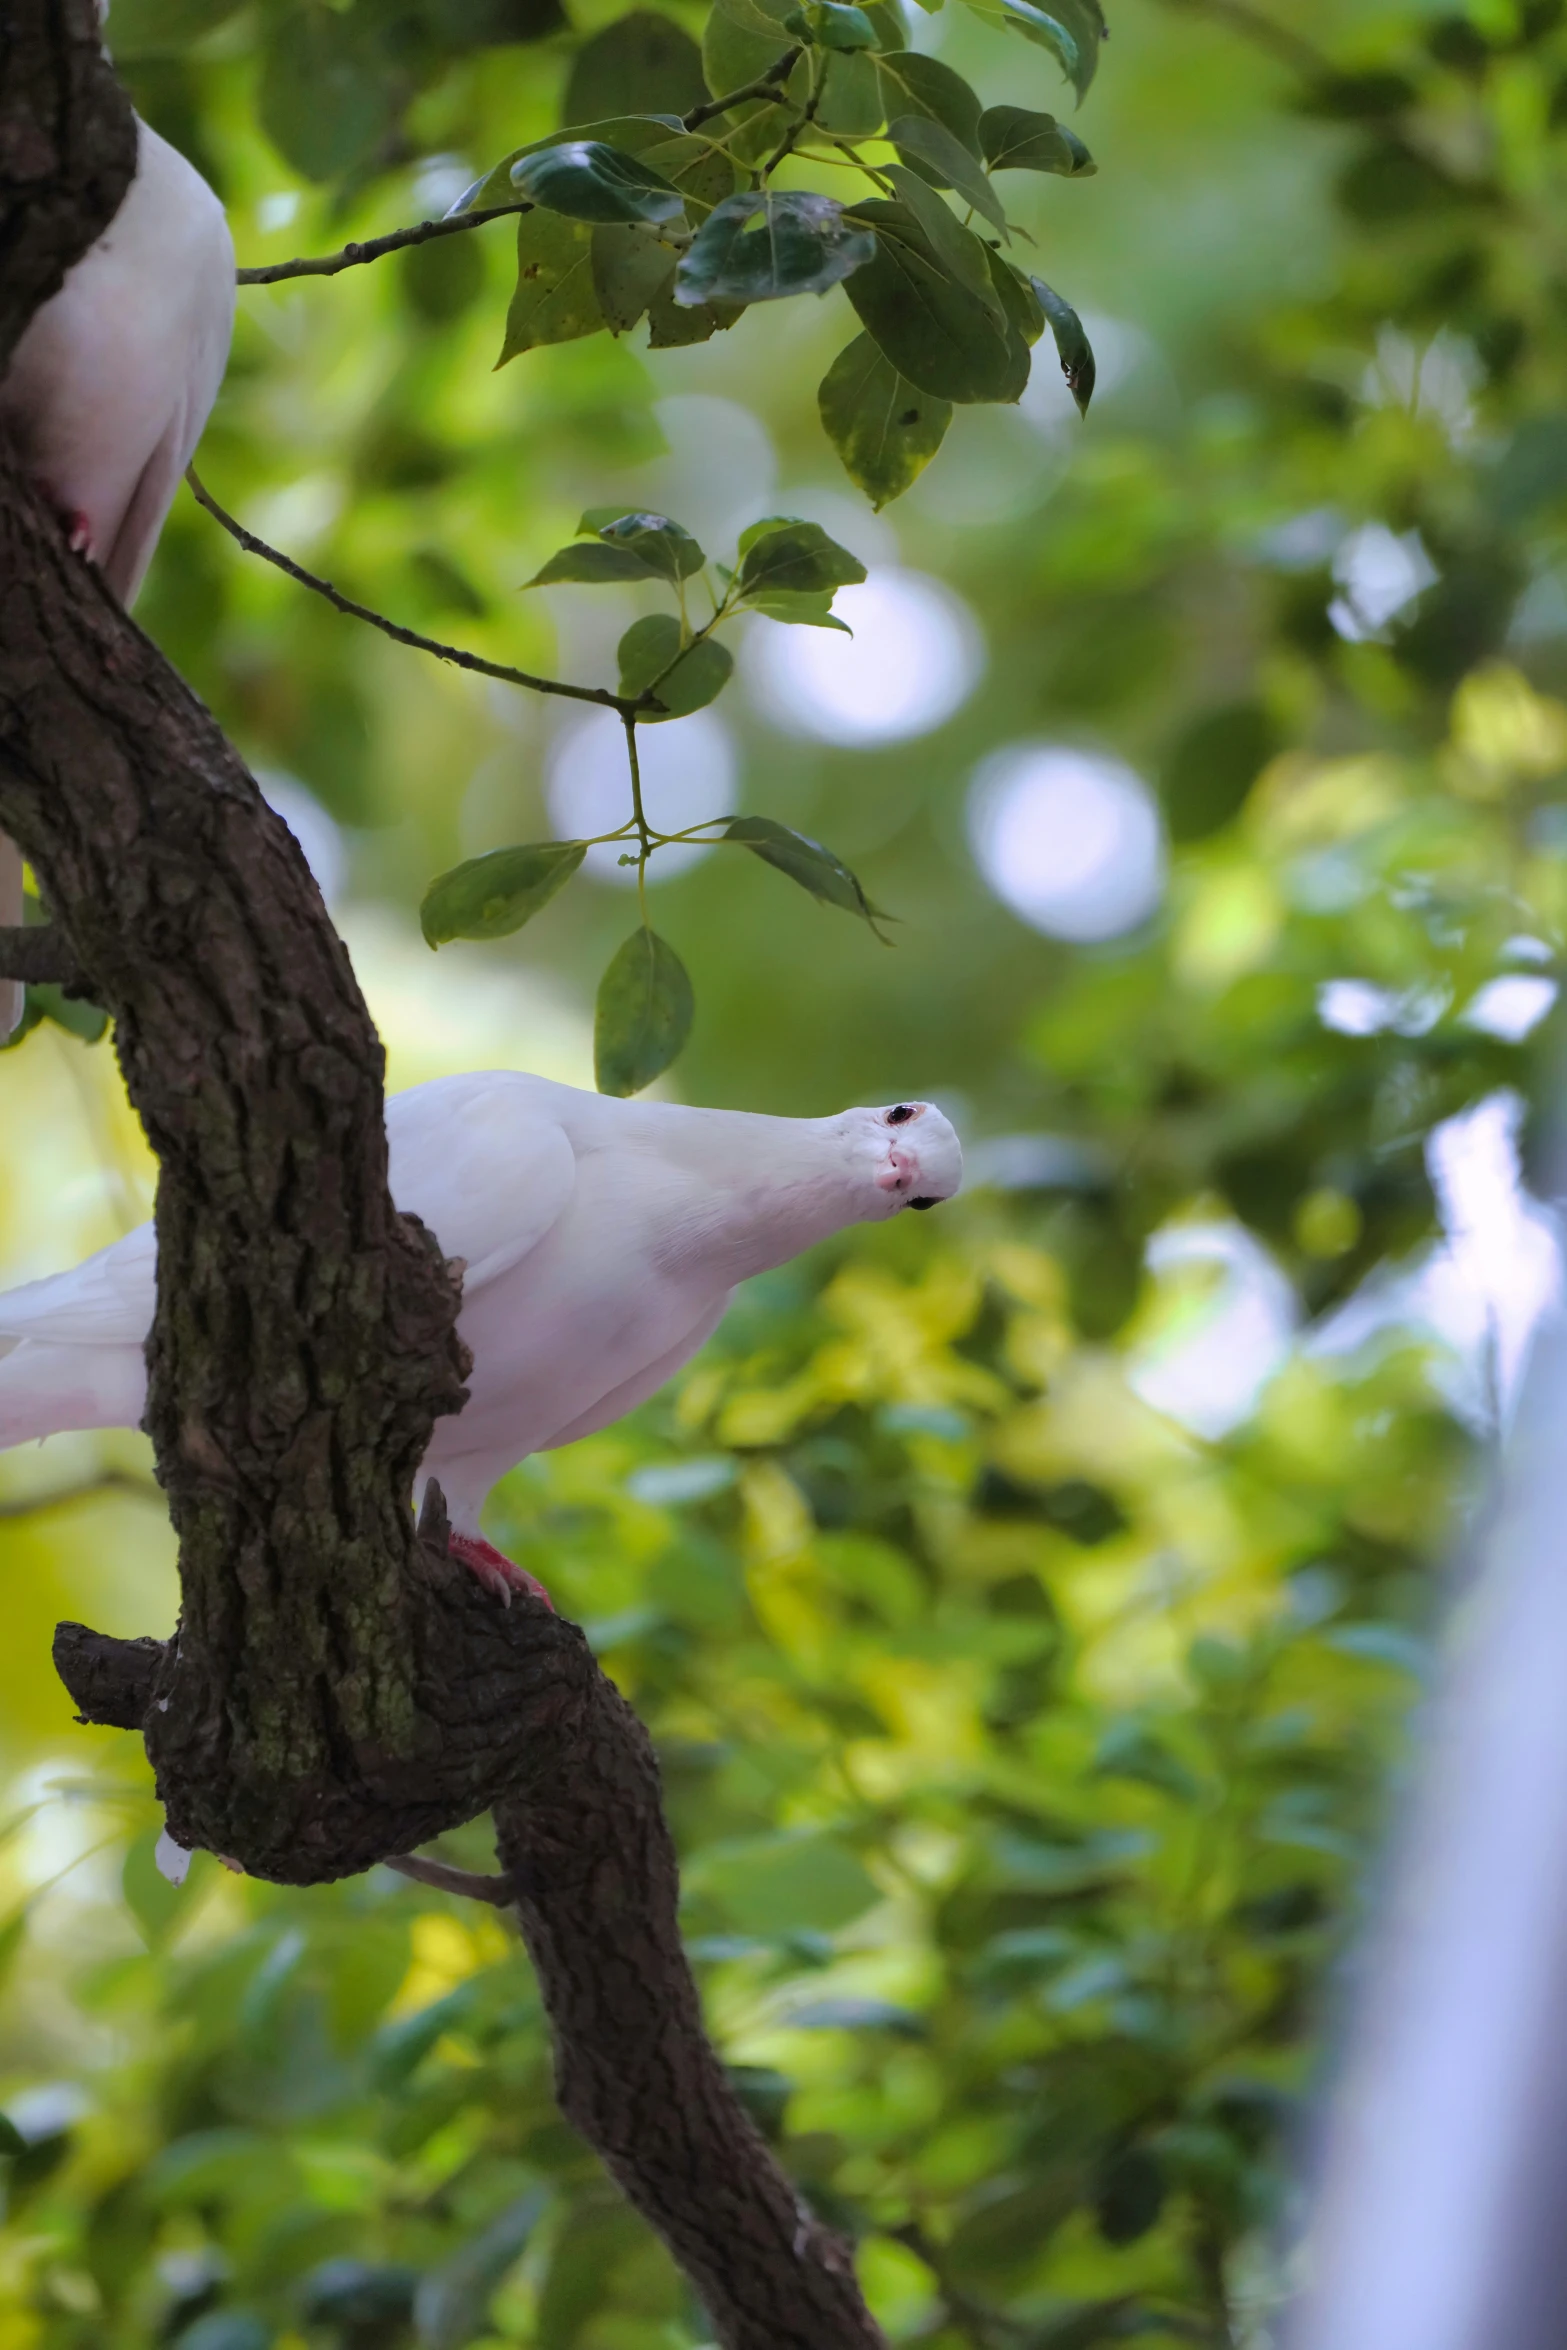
798, 128
499, 1892
400, 635
111, 1481
355, 256
39, 957
763, 87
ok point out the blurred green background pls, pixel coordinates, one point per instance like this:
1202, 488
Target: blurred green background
1027, 1603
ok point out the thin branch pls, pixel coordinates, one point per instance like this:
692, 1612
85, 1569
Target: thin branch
400, 635
398, 240
39, 957
63, 1496
765, 86
499, 1892
355, 256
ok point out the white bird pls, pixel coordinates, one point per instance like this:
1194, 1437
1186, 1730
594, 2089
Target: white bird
602, 1240
109, 388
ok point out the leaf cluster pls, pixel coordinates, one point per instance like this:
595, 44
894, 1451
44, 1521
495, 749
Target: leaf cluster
786, 570
676, 218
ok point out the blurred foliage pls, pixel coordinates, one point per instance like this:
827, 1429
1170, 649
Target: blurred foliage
1021, 1749
1023, 1746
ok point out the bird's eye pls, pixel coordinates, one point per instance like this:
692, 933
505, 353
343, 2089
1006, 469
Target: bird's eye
924, 1203
901, 1115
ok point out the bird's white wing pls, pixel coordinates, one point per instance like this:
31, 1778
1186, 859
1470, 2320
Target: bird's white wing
484, 1164
106, 1301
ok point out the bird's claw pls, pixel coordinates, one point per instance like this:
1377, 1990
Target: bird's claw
495, 1570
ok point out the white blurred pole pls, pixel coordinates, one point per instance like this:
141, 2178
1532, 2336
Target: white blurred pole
1442, 2218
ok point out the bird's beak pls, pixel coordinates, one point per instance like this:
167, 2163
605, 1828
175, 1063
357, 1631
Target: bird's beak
899, 1171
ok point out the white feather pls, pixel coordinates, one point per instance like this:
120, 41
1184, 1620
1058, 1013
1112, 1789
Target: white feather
111, 385
601, 1239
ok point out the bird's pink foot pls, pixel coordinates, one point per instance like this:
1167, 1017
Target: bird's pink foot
80, 530
495, 1571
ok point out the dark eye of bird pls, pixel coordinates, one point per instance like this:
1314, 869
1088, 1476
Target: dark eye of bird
924, 1203
901, 1115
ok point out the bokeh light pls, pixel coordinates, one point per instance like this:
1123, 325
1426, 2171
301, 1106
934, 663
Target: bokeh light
914, 658
689, 771
1069, 839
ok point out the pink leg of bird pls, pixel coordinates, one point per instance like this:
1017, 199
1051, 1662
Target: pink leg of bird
495, 1571
80, 530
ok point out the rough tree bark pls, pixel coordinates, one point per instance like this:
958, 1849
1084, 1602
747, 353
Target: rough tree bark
337, 1690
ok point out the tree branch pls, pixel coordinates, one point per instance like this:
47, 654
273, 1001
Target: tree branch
394, 629
67, 152
38, 957
338, 1690
766, 85
397, 240
442, 1878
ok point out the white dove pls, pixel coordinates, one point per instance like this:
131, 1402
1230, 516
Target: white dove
602, 1240
108, 390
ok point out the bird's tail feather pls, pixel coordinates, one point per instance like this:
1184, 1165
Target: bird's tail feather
46, 1389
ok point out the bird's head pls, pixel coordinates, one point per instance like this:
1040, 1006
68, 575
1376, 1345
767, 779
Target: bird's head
904, 1156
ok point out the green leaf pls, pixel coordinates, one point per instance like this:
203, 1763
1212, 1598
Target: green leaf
1070, 30
915, 84
664, 547
957, 248
589, 564
643, 1015
162, 28
849, 97
1014, 139
641, 62
703, 173
806, 862
489, 897
555, 301
630, 265
885, 429
886, 24
932, 327
671, 325
632, 133
741, 41
945, 162
801, 611
330, 94
586, 179
228, 2329
650, 648
452, 2301
833, 24
1025, 322
762, 248
794, 558
1072, 345
87, 1022
782, 1883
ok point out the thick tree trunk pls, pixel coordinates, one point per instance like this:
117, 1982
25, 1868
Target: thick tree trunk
337, 1689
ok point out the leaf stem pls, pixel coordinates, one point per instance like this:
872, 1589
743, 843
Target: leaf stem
802, 122
639, 816
355, 256
460, 659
